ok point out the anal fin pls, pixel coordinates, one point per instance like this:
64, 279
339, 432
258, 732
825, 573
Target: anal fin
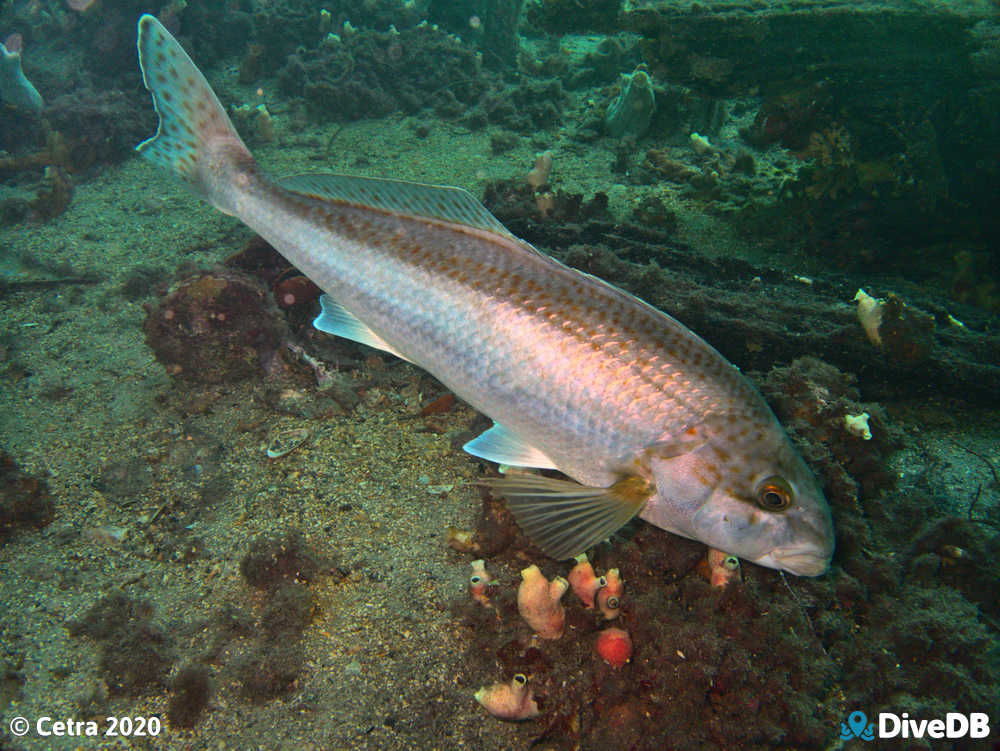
564, 518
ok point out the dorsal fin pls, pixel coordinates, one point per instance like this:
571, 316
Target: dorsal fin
446, 204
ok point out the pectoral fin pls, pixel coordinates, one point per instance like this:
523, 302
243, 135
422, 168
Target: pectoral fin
503, 447
564, 518
335, 319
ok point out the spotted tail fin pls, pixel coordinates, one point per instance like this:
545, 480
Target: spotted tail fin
195, 139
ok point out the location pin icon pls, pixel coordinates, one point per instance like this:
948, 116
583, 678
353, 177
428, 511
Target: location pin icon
857, 721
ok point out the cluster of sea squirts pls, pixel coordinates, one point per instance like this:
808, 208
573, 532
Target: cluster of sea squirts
540, 606
559, 653
539, 602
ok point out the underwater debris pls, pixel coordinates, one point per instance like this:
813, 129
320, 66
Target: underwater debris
339, 387
107, 535
509, 701
462, 540
285, 442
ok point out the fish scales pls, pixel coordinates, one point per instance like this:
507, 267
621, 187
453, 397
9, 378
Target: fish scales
641, 413
619, 375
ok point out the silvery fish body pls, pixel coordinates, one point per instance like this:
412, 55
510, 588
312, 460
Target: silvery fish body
578, 375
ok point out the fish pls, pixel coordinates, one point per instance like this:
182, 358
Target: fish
641, 416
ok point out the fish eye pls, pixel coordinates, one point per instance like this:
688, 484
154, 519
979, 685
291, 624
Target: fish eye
774, 494
731, 562
475, 579
602, 582
520, 679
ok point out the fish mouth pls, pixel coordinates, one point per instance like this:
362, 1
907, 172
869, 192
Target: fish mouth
799, 561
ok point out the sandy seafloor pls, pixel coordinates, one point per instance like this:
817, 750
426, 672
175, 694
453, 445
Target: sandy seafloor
383, 657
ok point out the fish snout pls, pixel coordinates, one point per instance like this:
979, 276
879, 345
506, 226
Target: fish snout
801, 560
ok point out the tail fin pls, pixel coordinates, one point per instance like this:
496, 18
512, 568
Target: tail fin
195, 139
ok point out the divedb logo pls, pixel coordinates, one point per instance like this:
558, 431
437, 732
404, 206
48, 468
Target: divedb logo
891, 725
